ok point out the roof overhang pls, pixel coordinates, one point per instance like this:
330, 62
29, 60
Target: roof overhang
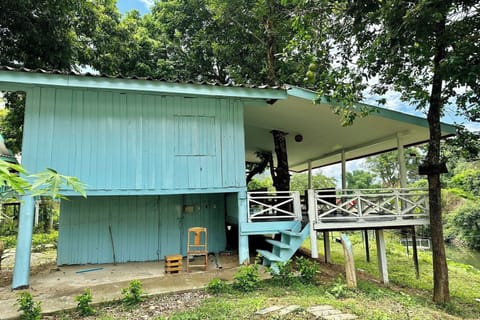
324, 140
22, 79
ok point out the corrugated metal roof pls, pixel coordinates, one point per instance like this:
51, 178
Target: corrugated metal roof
119, 76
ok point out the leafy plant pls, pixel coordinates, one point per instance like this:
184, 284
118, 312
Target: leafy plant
30, 310
247, 278
217, 286
339, 289
308, 269
132, 294
83, 306
285, 275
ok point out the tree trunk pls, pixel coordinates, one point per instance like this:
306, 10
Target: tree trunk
440, 270
270, 42
281, 179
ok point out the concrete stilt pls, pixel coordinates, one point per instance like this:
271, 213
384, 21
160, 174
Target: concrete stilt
382, 256
243, 250
311, 219
21, 271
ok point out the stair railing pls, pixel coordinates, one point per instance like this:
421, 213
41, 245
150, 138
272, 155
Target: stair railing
274, 206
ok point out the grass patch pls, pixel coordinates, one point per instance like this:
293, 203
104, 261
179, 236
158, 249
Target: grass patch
464, 279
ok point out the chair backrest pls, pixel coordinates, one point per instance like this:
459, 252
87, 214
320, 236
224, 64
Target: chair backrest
197, 239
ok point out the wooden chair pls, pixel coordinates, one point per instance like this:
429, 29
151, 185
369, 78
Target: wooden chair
197, 245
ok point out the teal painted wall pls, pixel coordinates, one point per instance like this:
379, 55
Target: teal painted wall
144, 228
136, 143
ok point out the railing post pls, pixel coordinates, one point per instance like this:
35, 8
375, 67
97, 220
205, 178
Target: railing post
312, 218
297, 207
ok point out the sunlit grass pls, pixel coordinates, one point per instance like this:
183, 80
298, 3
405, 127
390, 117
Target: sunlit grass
464, 279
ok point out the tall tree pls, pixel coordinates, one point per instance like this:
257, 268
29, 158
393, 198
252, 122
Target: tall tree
386, 167
429, 51
426, 50
48, 34
359, 179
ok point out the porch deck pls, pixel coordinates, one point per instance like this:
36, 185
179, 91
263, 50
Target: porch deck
337, 209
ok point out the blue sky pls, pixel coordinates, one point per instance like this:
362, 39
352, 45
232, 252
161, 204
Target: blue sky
141, 5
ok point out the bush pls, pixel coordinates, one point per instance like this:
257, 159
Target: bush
132, 294
464, 224
9, 241
339, 289
247, 278
217, 286
29, 309
83, 305
40, 241
285, 275
308, 270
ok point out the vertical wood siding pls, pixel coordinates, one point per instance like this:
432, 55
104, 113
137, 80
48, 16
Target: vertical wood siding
144, 228
135, 142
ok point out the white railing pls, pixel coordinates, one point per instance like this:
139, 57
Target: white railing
369, 204
274, 206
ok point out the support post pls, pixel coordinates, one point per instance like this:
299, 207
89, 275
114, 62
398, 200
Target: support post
367, 247
21, 271
312, 210
382, 256
415, 253
37, 213
309, 174
243, 250
402, 163
326, 247
350, 274
344, 171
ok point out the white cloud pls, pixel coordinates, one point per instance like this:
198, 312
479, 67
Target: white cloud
148, 3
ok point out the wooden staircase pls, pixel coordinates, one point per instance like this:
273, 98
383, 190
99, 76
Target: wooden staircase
284, 249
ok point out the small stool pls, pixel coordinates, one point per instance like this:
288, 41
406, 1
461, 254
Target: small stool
173, 263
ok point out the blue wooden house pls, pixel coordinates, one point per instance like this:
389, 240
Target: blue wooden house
159, 157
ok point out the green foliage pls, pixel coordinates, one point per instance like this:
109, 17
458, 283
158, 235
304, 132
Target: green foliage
84, 301
247, 278
40, 241
285, 275
308, 270
386, 167
468, 181
299, 182
339, 289
359, 179
216, 286
464, 223
260, 184
133, 294
29, 309
47, 183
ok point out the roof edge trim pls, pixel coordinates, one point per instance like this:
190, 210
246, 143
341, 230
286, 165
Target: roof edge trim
447, 129
31, 79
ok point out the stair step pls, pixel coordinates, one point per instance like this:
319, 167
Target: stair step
291, 233
279, 244
269, 256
